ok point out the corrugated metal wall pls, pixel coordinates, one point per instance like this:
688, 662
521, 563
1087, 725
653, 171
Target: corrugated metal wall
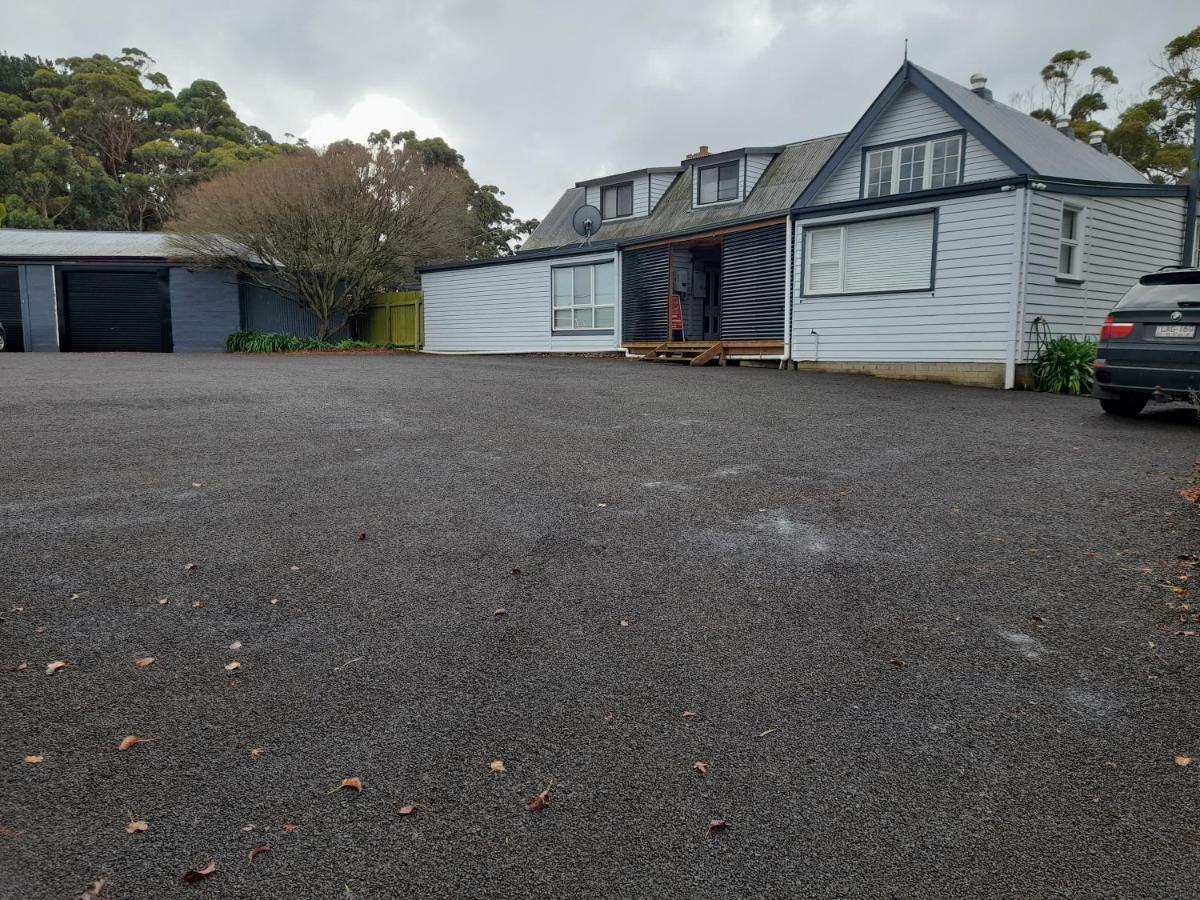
644, 293
10, 308
264, 310
752, 284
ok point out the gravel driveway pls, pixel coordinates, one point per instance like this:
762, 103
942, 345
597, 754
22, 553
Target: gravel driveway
921, 635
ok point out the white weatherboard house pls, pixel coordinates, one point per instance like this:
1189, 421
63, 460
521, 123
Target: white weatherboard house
931, 241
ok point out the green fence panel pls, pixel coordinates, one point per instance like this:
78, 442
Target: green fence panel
395, 318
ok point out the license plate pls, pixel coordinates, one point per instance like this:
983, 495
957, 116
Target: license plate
1183, 331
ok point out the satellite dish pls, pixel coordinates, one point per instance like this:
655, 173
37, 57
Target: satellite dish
587, 222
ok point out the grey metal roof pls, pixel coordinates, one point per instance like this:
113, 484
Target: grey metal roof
19, 243
1048, 152
779, 185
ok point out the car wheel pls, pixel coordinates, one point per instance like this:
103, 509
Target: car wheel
1124, 406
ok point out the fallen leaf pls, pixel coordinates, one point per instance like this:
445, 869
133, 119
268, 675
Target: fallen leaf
624, 623
232, 683
362, 535
200, 874
57, 666
497, 765
716, 825
601, 505
1186, 633
35, 759
700, 766
500, 611
516, 571
197, 604
197, 484
763, 734
294, 568
137, 827
144, 661
74, 596
1175, 589
132, 741
898, 662
188, 567
231, 666
21, 667
354, 784
289, 827
163, 601
1092, 554
1184, 760
93, 893
274, 601
236, 645
408, 809
1191, 494
688, 713
41, 629
541, 801
256, 752
254, 851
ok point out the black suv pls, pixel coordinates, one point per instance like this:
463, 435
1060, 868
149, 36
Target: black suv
1149, 346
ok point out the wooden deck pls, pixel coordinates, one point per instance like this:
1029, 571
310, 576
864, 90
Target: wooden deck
699, 353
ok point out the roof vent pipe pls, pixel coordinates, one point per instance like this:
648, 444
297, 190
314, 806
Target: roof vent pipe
979, 86
1063, 124
1096, 139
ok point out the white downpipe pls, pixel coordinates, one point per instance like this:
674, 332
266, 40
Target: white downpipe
1018, 291
789, 265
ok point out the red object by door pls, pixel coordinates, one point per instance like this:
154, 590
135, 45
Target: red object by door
676, 313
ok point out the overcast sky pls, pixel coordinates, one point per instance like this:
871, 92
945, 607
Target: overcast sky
538, 95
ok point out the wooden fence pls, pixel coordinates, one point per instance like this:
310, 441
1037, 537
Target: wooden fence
395, 318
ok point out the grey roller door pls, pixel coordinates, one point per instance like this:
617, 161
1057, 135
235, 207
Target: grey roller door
116, 310
10, 309
752, 284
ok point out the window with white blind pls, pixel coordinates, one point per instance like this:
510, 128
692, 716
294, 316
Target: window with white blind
583, 298
1070, 243
872, 257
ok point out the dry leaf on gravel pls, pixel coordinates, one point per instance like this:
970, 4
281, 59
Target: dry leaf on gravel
236, 645
131, 741
41, 629
200, 874
274, 601
288, 827
188, 567
541, 801
898, 662
35, 759
497, 765
144, 661
163, 601
362, 535
1175, 589
516, 571
232, 666
254, 851
1184, 760
137, 827
763, 734
75, 596
197, 604
700, 766
294, 568
57, 666
1191, 495
688, 713
354, 784
500, 611
256, 752
716, 825
408, 809
624, 623
197, 484
20, 667
93, 893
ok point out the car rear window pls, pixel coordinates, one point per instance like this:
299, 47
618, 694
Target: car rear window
1164, 289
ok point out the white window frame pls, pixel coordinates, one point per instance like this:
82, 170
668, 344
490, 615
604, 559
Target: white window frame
927, 176
1076, 242
841, 259
593, 305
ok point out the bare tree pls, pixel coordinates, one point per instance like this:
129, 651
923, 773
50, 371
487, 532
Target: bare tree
329, 230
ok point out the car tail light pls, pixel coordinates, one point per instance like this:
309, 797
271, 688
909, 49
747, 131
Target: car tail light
1115, 331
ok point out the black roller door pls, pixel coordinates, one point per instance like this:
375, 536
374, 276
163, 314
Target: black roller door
10, 309
644, 295
753, 266
116, 310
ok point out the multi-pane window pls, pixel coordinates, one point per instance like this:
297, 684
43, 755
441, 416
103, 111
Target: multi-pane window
871, 257
584, 298
616, 200
913, 167
1070, 242
718, 183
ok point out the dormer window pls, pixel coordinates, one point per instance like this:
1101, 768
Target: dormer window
919, 166
616, 200
718, 183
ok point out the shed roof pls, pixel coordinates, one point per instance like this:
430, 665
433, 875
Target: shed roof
780, 184
18, 243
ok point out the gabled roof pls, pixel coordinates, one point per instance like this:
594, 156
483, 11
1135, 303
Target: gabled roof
605, 179
778, 186
1026, 145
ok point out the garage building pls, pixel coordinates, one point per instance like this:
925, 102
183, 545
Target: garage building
133, 291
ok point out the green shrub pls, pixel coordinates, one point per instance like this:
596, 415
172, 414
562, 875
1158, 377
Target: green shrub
275, 342
1064, 365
